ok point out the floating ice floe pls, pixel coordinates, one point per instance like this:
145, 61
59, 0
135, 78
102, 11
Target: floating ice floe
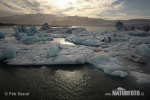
8, 53
109, 65
63, 32
141, 77
88, 40
114, 39
119, 26
2, 35
45, 26
30, 34
139, 33
46, 53
141, 28
143, 50
144, 40
25, 29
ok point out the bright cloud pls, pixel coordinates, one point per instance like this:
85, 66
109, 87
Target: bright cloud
78, 7
90, 8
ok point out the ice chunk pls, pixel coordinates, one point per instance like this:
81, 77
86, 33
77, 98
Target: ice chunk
78, 40
88, 40
113, 39
144, 40
31, 30
141, 77
52, 51
2, 35
43, 39
45, 26
143, 50
119, 73
49, 38
109, 65
17, 29
64, 59
8, 53
23, 29
40, 35
30, 39
21, 36
39, 53
119, 26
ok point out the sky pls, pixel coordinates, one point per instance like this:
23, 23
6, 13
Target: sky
106, 9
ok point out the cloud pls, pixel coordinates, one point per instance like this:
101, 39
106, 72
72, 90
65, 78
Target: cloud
92, 8
67, 7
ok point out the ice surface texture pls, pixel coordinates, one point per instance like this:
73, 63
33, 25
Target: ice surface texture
40, 53
119, 26
141, 77
2, 35
88, 40
109, 65
143, 50
8, 53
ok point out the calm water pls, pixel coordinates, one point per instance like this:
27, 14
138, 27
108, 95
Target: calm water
84, 82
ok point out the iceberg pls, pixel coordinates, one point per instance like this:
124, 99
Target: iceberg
17, 29
87, 40
30, 39
45, 26
141, 77
23, 29
21, 36
119, 26
40, 53
8, 53
145, 40
109, 65
44, 36
143, 50
2, 35
52, 51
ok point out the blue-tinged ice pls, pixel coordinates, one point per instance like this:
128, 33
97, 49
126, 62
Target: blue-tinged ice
119, 26
109, 65
143, 50
30, 39
141, 77
2, 35
8, 53
52, 51
21, 36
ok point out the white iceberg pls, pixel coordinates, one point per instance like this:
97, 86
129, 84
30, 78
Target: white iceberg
21, 36
144, 40
30, 39
119, 26
52, 51
42, 53
141, 77
109, 65
2, 35
143, 50
87, 40
8, 53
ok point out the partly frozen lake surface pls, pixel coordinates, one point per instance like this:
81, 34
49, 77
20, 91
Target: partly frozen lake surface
67, 81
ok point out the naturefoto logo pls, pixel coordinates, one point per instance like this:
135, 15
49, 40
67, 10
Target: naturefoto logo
123, 92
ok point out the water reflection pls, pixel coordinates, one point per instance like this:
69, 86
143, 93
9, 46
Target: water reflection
61, 41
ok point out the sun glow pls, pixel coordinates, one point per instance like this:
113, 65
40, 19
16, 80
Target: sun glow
62, 4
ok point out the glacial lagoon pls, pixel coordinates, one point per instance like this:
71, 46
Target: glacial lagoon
68, 81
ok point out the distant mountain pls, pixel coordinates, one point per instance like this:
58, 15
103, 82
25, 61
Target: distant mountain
39, 19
